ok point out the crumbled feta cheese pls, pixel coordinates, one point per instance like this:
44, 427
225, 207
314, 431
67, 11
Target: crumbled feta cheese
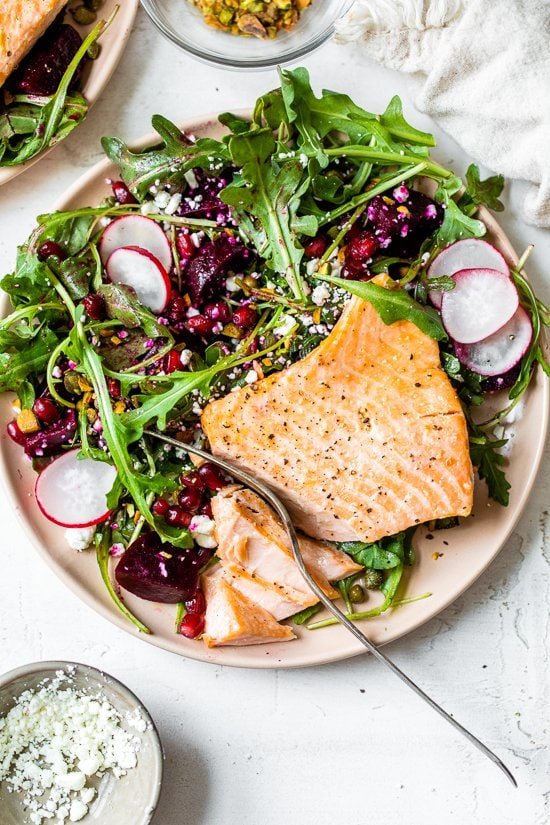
173, 204
286, 322
303, 159
53, 739
231, 285
148, 208
251, 377
185, 357
162, 200
203, 531
320, 295
79, 538
191, 178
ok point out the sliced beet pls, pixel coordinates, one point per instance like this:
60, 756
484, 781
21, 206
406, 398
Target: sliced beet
49, 440
158, 572
403, 219
208, 268
41, 71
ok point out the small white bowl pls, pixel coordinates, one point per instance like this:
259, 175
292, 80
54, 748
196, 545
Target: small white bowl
130, 800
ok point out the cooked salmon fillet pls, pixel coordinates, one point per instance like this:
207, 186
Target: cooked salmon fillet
362, 438
22, 22
232, 619
257, 559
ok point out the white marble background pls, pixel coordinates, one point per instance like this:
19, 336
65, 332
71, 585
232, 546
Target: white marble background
343, 743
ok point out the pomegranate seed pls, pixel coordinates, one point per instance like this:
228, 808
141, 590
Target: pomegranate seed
218, 311
362, 247
94, 306
172, 361
45, 410
193, 481
245, 317
15, 433
177, 309
51, 248
185, 245
192, 625
206, 510
190, 499
113, 385
160, 507
122, 193
200, 325
197, 604
178, 517
317, 247
211, 476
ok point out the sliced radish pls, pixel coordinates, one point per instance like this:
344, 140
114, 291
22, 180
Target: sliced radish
482, 301
72, 492
471, 253
136, 230
499, 353
137, 268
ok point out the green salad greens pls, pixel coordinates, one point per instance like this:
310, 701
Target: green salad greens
263, 235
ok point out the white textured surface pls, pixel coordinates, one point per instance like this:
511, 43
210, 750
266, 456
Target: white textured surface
344, 743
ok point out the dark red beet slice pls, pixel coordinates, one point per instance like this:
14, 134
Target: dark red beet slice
402, 219
48, 441
41, 71
207, 269
158, 572
502, 382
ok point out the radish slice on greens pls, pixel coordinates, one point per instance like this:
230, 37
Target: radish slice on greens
482, 301
136, 230
72, 492
470, 253
500, 352
137, 268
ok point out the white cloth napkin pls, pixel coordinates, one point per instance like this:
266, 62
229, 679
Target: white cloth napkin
481, 69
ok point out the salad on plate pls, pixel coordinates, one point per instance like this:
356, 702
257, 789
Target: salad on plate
42, 59
310, 298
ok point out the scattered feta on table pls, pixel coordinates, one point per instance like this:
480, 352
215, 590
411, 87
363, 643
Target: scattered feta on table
79, 538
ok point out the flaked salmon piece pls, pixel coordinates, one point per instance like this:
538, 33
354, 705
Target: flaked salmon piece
232, 619
279, 600
22, 23
362, 438
250, 536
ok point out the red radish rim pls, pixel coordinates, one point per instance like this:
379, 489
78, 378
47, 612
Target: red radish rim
71, 524
138, 250
464, 273
436, 295
151, 223
461, 350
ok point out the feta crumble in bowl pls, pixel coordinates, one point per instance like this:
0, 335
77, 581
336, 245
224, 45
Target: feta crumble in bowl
76, 745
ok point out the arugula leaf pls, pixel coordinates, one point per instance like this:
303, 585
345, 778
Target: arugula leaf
393, 305
378, 555
30, 359
122, 304
456, 224
167, 162
265, 197
103, 540
485, 455
306, 614
394, 121
484, 192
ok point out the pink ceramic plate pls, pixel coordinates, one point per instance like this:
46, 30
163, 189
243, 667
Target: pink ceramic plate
98, 72
469, 549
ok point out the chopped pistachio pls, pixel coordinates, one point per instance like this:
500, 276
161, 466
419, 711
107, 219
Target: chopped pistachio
253, 18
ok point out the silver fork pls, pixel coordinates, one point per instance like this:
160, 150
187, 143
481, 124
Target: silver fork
282, 512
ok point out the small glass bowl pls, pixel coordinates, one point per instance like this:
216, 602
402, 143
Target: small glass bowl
182, 23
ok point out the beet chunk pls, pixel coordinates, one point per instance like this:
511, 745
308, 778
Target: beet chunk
206, 271
158, 572
48, 441
403, 219
41, 71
